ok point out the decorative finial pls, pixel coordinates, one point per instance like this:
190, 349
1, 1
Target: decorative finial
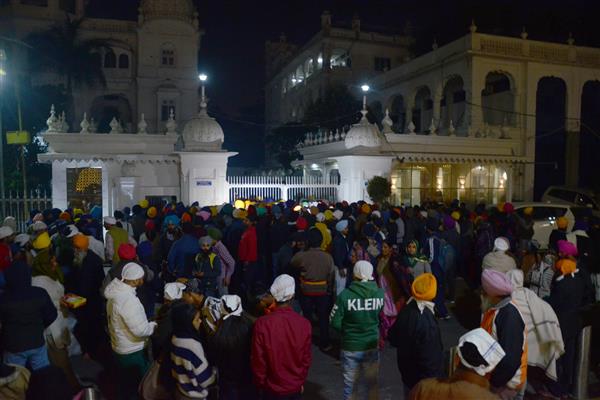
432, 128
93, 126
434, 46
473, 27
524, 34
52, 121
571, 39
171, 124
451, 129
85, 125
387, 122
115, 126
411, 127
64, 127
142, 125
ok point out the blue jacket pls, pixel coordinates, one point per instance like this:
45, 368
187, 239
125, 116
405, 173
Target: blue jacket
182, 250
340, 250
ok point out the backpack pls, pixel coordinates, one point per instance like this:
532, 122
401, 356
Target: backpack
444, 255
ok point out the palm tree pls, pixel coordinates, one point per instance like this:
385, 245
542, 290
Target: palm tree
61, 50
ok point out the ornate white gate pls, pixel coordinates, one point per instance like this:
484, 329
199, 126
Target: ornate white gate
283, 188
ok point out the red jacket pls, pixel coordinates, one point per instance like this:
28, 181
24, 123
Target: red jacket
248, 248
281, 351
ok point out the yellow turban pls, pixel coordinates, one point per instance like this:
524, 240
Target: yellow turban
143, 203
365, 208
500, 206
214, 211
455, 215
328, 215
424, 287
239, 204
42, 241
152, 212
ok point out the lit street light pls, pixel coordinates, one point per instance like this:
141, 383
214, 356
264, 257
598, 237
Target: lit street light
365, 88
203, 78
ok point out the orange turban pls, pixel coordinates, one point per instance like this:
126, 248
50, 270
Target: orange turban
81, 242
424, 287
566, 266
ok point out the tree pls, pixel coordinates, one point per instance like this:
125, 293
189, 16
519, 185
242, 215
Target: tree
336, 108
379, 189
61, 50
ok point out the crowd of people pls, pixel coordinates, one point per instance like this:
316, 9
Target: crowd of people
206, 302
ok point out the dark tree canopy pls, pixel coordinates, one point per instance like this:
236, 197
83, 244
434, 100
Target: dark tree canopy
379, 189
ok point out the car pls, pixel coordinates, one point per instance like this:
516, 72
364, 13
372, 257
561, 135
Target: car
573, 197
545, 216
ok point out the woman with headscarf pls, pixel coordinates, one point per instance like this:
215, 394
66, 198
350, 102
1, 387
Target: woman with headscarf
416, 262
192, 373
229, 351
570, 292
44, 262
394, 278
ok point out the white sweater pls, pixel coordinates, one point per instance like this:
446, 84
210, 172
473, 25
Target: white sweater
127, 320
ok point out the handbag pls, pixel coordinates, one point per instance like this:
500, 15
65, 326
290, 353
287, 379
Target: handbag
154, 386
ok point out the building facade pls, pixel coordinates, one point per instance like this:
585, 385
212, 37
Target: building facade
149, 64
297, 76
460, 122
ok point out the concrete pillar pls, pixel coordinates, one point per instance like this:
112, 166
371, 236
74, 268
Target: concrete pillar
473, 110
437, 99
59, 184
572, 125
410, 104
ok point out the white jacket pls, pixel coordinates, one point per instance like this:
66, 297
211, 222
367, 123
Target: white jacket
127, 320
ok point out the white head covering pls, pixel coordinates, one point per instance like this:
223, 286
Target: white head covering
423, 213
5, 231
283, 288
110, 220
320, 217
11, 222
363, 270
131, 272
501, 244
39, 226
174, 290
22, 239
376, 213
338, 214
488, 348
74, 231
231, 304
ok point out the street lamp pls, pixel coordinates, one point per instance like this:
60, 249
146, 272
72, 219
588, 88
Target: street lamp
203, 77
365, 88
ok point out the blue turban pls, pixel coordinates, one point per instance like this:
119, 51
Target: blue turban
341, 225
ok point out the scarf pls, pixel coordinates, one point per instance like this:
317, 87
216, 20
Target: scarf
42, 265
411, 261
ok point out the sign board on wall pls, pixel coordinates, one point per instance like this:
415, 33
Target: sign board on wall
203, 183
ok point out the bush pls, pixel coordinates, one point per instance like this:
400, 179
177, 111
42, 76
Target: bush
379, 189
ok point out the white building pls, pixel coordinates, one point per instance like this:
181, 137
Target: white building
118, 169
150, 67
460, 123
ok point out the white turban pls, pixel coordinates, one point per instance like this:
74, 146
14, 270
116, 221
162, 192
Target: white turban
73, 231
501, 244
39, 226
338, 214
231, 305
110, 221
320, 217
376, 214
363, 270
22, 239
174, 290
489, 349
5, 231
283, 288
131, 272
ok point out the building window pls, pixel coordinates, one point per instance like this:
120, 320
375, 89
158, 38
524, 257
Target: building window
110, 59
165, 109
167, 56
123, 61
382, 63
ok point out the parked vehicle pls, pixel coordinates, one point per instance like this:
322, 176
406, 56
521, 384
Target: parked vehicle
545, 216
572, 196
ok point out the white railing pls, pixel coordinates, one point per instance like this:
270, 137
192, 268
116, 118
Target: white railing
16, 206
283, 187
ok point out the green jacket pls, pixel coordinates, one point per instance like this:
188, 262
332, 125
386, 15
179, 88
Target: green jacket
356, 315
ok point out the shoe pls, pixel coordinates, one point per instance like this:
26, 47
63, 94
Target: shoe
326, 349
447, 317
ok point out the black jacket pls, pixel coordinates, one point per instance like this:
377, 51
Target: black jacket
418, 340
25, 310
567, 297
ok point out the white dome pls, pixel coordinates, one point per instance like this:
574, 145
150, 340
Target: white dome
363, 134
178, 9
202, 130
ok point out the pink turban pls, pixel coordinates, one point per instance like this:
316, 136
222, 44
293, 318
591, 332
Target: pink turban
496, 283
205, 215
567, 248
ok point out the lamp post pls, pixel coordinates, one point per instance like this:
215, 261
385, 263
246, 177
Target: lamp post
2, 74
365, 88
203, 78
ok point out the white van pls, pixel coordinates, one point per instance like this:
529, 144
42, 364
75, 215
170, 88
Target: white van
573, 197
545, 216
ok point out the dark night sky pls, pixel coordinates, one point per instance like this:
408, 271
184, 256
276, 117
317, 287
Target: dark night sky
232, 50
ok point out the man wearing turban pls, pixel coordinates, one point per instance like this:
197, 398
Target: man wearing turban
503, 320
416, 335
